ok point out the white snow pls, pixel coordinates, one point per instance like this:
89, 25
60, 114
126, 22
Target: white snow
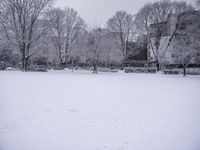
60, 110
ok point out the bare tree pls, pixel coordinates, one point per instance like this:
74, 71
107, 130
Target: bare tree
77, 50
66, 25
93, 50
123, 24
185, 52
24, 25
57, 18
150, 20
186, 39
157, 13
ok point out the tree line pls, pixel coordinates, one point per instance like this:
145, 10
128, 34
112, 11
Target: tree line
36, 28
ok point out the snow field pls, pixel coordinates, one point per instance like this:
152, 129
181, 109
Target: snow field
60, 110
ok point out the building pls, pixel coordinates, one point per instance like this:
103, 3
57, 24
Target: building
185, 23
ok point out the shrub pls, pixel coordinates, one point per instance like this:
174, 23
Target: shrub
172, 72
140, 70
3, 65
38, 68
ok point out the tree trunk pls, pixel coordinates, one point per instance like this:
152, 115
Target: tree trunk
95, 69
125, 55
72, 64
63, 65
124, 63
184, 71
158, 66
24, 58
24, 64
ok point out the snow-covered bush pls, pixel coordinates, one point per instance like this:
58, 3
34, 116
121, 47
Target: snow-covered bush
171, 72
107, 70
38, 68
174, 71
140, 70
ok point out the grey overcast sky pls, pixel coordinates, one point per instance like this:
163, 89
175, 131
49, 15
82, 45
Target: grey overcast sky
97, 12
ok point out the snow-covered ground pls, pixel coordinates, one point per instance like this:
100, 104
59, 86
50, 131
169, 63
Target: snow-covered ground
60, 110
